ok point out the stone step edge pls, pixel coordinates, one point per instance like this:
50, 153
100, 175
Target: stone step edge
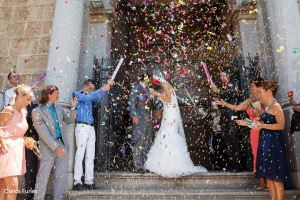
240, 193
215, 175
295, 194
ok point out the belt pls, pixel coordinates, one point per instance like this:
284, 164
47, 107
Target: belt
59, 138
85, 123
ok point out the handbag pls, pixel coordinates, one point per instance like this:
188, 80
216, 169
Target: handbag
31, 142
295, 122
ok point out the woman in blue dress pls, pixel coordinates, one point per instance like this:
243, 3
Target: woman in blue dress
271, 159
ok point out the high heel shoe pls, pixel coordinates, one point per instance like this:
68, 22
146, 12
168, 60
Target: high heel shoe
261, 188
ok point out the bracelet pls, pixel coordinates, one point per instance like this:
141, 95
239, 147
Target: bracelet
73, 108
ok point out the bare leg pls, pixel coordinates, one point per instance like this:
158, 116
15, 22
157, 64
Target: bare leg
279, 188
262, 182
11, 183
271, 186
2, 187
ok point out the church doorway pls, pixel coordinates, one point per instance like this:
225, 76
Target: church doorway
173, 39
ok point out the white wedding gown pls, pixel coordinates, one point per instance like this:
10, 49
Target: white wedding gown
168, 155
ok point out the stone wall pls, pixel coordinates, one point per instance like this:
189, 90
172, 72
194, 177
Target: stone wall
25, 29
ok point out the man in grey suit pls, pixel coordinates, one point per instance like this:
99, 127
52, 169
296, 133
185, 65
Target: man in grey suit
48, 119
142, 129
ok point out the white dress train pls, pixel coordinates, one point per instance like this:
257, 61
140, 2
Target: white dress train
168, 155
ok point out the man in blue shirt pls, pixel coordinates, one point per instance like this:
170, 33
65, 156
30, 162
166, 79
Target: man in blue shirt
85, 133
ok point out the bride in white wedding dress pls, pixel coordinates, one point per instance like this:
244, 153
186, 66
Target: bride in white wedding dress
168, 155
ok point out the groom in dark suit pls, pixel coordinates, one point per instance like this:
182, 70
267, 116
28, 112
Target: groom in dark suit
142, 130
230, 93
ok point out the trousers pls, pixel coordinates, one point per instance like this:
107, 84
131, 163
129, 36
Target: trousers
85, 145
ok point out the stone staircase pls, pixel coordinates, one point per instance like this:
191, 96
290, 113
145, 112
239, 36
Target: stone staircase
212, 185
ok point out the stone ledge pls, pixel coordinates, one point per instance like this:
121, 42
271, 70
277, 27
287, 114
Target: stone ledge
210, 180
177, 194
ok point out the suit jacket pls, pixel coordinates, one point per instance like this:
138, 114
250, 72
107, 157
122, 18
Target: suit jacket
230, 94
138, 101
45, 127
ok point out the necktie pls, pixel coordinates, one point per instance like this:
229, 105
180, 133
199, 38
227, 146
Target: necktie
55, 118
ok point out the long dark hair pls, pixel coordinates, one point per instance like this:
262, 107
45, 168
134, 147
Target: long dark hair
48, 89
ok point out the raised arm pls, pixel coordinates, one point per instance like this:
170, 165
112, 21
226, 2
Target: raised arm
93, 96
242, 106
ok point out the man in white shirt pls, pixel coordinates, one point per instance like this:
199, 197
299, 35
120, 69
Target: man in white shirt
14, 80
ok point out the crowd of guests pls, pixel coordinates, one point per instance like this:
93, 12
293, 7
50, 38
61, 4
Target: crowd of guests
44, 121
266, 137
23, 117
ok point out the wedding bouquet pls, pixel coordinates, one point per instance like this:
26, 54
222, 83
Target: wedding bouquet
153, 84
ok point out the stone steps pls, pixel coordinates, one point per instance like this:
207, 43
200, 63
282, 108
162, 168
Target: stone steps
211, 180
212, 185
206, 194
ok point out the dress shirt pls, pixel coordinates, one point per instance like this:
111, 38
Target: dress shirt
85, 104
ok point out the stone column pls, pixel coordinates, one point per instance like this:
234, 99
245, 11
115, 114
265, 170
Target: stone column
100, 45
63, 62
96, 41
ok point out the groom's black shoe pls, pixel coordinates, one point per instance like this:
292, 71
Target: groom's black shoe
78, 186
91, 186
